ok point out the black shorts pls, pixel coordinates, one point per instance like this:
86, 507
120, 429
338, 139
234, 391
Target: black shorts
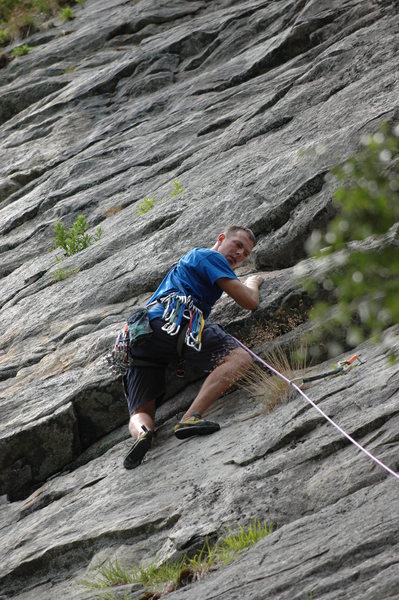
143, 384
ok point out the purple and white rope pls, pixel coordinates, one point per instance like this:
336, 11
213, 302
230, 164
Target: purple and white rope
292, 384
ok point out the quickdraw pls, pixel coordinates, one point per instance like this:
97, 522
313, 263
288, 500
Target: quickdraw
179, 308
343, 366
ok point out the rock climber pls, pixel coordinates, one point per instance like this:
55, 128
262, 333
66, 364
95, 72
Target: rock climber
183, 301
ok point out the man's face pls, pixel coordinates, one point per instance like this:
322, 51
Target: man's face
235, 248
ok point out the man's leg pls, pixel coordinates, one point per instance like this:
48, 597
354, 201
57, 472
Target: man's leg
141, 427
233, 366
145, 415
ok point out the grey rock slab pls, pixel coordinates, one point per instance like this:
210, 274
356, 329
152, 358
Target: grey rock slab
249, 105
288, 467
350, 560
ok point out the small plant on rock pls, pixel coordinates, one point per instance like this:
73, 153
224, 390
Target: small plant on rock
237, 541
21, 50
5, 37
177, 188
61, 274
67, 14
76, 238
146, 205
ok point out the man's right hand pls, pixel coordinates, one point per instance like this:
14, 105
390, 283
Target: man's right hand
245, 294
254, 281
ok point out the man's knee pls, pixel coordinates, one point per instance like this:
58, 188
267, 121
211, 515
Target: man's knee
240, 359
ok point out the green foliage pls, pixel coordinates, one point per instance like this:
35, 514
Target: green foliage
174, 574
5, 37
61, 274
146, 205
76, 238
361, 243
177, 188
21, 50
67, 14
235, 542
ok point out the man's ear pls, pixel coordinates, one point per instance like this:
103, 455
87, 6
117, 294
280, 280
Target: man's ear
221, 237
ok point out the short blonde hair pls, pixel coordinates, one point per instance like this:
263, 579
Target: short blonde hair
233, 228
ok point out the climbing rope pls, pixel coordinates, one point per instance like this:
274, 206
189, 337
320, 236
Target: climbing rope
302, 393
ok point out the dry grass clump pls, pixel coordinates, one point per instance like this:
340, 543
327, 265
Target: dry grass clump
114, 210
283, 322
21, 18
270, 389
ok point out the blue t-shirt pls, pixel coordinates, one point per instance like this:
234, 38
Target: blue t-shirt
194, 275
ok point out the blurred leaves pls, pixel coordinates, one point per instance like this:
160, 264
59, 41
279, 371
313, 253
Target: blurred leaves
360, 287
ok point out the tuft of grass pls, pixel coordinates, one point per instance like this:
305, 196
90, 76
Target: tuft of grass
234, 543
269, 388
173, 575
61, 274
146, 205
177, 188
21, 50
67, 13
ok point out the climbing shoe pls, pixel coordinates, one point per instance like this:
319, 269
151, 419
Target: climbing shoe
139, 449
195, 425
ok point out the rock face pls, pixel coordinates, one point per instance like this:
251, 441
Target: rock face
247, 104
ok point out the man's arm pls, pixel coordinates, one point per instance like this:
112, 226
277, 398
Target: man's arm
246, 295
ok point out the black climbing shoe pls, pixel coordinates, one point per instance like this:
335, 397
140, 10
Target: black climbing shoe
139, 449
195, 425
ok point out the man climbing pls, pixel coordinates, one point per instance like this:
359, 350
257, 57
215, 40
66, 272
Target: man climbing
183, 301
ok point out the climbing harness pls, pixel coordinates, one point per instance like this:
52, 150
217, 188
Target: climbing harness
137, 326
135, 329
179, 308
302, 393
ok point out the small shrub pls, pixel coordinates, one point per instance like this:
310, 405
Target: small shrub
21, 50
76, 238
146, 205
5, 37
67, 14
178, 188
